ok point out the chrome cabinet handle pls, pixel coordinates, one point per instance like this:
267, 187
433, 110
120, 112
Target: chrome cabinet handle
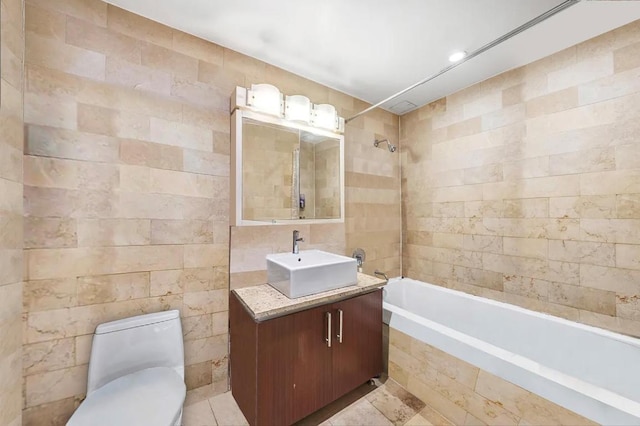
328, 339
339, 335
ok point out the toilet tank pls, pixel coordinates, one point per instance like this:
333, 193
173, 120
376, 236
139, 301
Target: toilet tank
128, 345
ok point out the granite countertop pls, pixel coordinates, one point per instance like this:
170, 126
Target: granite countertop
265, 302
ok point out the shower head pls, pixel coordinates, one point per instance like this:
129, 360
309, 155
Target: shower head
390, 146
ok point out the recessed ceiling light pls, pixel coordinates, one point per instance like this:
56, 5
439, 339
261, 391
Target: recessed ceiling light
456, 56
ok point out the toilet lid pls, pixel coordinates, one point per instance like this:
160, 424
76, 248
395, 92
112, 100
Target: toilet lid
153, 397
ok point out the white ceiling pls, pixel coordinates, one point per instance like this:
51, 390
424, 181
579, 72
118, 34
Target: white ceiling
371, 49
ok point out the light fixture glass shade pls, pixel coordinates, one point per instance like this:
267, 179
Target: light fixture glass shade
297, 108
325, 116
265, 98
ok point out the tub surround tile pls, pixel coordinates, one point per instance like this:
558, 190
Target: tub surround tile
543, 160
265, 302
487, 400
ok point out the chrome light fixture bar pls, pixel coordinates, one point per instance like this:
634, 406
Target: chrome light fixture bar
549, 13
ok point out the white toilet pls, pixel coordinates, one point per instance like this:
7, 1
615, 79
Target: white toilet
136, 373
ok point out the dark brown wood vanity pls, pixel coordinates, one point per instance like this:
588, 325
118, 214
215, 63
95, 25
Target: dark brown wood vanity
288, 365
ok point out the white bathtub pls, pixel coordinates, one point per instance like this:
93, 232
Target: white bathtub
593, 372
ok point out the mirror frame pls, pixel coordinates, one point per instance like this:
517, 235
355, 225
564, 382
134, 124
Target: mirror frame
235, 217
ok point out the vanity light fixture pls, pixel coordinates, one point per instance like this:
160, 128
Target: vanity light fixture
297, 108
457, 56
325, 116
265, 98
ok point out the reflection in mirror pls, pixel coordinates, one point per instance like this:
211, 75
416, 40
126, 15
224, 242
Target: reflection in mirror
289, 173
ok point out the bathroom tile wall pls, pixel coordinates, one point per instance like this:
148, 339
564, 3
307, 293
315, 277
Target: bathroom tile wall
126, 191
11, 241
525, 188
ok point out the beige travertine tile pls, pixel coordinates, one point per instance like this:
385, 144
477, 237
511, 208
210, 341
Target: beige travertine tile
593, 160
205, 302
617, 324
150, 154
452, 367
46, 356
596, 206
609, 279
200, 94
138, 27
527, 208
112, 288
528, 287
626, 57
613, 86
81, 33
525, 404
182, 135
360, 412
527, 247
45, 23
197, 47
113, 232
553, 102
197, 375
83, 348
169, 61
52, 414
226, 410
450, 410
627, 157
611, 230
589, 299
220, 322
50, 294
53, 54
50, 232
123, 73
55, 385
486, 243
198, 414
627, 256
62, 263
204, 255
50, 111
181, 232
610, 182
198, 327
11, 231
582, 252
60, 143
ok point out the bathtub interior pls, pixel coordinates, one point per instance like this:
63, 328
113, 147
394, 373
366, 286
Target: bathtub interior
596, 356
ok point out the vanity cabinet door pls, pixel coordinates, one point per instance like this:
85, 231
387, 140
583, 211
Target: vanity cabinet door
357, 351
312, 362
275, 356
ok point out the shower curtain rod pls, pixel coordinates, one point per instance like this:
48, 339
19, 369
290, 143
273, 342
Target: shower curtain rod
549, 13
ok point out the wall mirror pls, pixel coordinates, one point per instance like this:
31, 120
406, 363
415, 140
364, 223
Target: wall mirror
285, 171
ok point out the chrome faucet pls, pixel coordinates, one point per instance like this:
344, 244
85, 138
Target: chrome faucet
296, 239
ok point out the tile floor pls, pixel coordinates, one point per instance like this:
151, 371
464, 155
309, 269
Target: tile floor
383, 404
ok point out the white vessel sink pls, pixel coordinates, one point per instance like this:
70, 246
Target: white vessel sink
310, 272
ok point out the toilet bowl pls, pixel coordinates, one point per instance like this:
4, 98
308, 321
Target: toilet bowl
136, 373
